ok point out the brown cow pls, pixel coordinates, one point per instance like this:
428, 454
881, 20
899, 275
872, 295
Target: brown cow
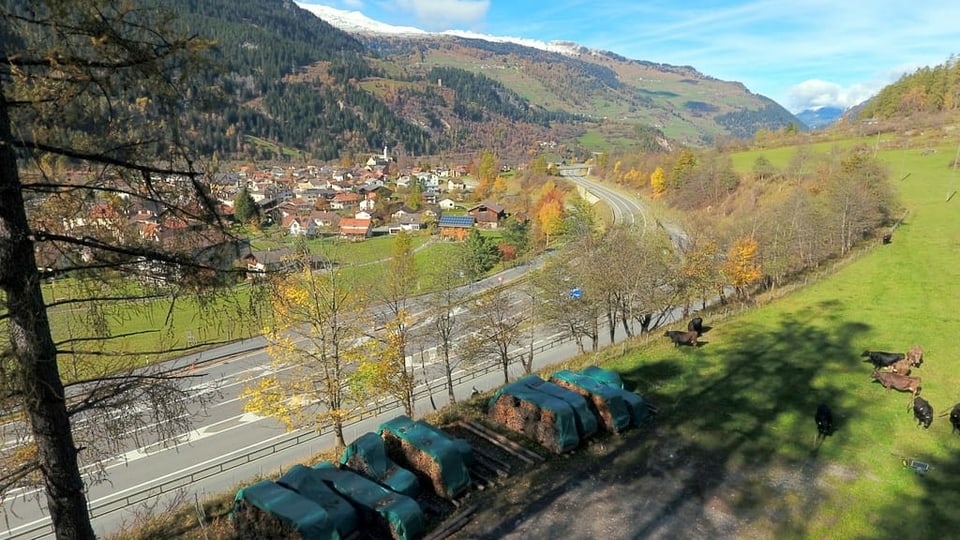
915, 355
897, 381
900, 367
682, 338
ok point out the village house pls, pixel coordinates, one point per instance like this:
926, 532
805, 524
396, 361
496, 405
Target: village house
261, 263
299, 226
408, 222
429, 196
488, 214
454, 184
428, 180
455, 227
447, 204
344, 200
404, 210
355, 229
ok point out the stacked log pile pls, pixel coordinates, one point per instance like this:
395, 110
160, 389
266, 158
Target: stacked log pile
528, 419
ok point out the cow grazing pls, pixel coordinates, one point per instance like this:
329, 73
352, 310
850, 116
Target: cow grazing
897, 382
955, 418
901, 367
915, 355
923, 412
824, 419
682, 338
695, 325
881, 359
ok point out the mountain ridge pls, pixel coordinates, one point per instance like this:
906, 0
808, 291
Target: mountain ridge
291, 86
683, 103
821, 117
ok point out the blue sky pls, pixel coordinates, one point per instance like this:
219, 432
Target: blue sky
801, 53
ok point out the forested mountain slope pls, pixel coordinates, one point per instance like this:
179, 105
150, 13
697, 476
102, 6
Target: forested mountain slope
286, 83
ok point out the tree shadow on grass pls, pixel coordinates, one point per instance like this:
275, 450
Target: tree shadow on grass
731, 449
933, 512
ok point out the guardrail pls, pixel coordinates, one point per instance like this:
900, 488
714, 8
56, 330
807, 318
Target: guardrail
43, 530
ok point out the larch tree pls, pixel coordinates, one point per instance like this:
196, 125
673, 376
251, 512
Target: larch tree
97, 88
658, 182
317, 344
396, 376
487, 170
550, 219
742, 267
446, 320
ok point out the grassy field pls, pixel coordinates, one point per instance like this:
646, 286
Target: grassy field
160, 326
747, 397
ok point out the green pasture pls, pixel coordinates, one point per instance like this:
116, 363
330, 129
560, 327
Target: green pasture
744, 401
162, 328
369, 251
168, 327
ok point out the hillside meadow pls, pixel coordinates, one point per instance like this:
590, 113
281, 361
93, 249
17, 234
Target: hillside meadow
745, 400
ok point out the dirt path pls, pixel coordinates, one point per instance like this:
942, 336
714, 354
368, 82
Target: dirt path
641, 486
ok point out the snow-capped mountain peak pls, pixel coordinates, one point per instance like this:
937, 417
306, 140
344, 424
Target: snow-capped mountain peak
355, 22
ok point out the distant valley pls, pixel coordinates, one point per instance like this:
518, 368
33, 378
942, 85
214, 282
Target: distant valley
292, 87
820, 117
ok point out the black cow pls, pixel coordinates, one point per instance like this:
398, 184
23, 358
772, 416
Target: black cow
682, 338
955, 418
881, 359
696, 325
824, 419
923, 412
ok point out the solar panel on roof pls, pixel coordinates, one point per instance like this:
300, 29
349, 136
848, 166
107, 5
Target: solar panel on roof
456, 221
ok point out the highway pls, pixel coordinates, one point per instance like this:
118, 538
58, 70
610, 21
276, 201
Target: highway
227, 447
626, 210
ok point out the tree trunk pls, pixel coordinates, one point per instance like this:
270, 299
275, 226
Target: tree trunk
449, 374
32, 346
338, 435
595, 334
612, 325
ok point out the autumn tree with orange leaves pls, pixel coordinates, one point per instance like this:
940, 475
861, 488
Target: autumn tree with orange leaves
743, 264
549, 210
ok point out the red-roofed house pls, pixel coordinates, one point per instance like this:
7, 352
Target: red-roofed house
344, 199
355, 229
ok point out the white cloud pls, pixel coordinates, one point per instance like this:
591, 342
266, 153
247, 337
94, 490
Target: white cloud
353, 4
815, 93
443, 14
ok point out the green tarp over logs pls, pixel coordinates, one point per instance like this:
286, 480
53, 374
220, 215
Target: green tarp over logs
563, 433
605, 376
432, 453
639, 408
304, 516
368, 456
390, 513
304, 481
586, 420
617, 408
